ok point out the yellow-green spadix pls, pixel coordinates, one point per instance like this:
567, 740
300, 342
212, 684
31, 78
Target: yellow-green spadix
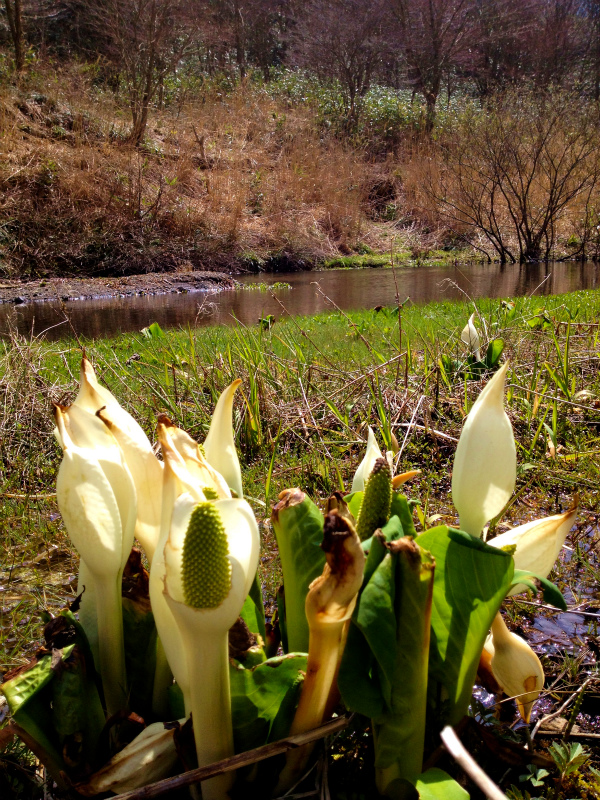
515, 666
485, 464
538, 543
211, 556
219, 446
177, 480
97, 500
470, 337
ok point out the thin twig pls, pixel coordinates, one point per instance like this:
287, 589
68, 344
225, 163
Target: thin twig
557, 610
236, 762
563, 707
466, 761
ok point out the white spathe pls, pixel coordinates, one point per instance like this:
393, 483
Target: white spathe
204, 631
515, 666
538, 543
220, 446
470, 337
485, 463
366, 465
97, 500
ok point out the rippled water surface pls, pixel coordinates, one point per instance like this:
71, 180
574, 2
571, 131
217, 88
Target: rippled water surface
349, 289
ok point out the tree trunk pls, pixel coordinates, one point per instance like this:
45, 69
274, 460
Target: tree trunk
15, 23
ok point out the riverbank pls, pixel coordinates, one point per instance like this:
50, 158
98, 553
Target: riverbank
67, 289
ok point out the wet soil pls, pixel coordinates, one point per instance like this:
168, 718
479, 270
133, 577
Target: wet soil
18, 292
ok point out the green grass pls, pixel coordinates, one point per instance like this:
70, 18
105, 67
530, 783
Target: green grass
310, 387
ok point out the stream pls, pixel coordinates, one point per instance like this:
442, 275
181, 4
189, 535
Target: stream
348, 289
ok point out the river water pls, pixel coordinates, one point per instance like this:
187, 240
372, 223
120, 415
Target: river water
349, 289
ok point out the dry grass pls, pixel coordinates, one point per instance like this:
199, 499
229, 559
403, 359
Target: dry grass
219, 179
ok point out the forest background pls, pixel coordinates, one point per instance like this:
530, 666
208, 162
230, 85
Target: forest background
154, 135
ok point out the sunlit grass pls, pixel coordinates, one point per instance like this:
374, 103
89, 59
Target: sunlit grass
309, 388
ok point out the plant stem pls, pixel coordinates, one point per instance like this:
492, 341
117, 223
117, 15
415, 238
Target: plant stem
321, 671
208, 669
110, 642
163, 678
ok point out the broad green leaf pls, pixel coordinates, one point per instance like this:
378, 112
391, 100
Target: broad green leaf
153, 331
550, 592
494, 350
384, 667
354, 502
253, 612
400, 735
358, 682
471, 581
24, 686
435, 784
29, 698
402, 507
298, 526
77, 715
391, 531
264, 699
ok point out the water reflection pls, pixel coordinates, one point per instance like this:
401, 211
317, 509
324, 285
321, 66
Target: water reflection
349, 289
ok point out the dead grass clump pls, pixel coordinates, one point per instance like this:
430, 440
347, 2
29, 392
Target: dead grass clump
222, 177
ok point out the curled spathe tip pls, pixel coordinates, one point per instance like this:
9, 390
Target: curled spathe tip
219, 445
538, 543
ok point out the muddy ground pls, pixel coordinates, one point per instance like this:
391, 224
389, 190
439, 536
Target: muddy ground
19, 292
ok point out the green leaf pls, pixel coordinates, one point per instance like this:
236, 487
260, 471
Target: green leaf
264, 699
400, 734
253, 612
29, 698
402, 507
435, 784
298, 525
471, 581
77, 715
384, 667
354, 502
153, 331
551, 593
493, 353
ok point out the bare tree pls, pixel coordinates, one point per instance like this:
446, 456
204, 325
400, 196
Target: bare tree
342, 40
147, 39
434, 36
500, 43
512, 172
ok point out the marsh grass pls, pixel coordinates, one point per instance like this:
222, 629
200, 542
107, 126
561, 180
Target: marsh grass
310, 387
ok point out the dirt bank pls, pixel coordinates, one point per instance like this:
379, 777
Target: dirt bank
86, 288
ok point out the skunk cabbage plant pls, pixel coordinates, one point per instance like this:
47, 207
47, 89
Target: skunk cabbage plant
485, 464
211, 557
470, 337
97, 499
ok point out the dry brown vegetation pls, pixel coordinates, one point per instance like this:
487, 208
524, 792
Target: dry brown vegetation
241, 177
218, 181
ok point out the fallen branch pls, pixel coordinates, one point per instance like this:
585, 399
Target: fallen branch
235, 762
466, 761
